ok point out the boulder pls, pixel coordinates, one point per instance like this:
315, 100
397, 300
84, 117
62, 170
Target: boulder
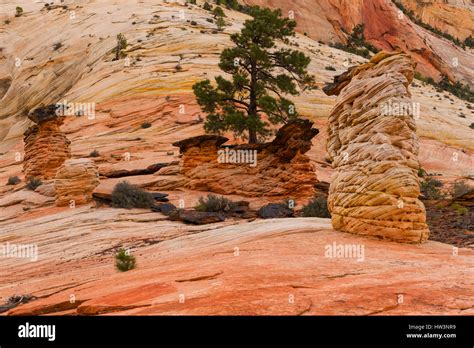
75, 181
164, 208
275, 210
196, 217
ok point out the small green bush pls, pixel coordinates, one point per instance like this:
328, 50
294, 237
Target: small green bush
430, 189
207, 6
33, 183
193, 23
124, 261
129, 196
94, 153
330, 68
146, 125
317, 207
213, 203
13, 180
421, 172
459, 209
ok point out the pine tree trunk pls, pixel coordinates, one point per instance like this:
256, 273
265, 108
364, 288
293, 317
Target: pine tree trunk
253, 105
252, 136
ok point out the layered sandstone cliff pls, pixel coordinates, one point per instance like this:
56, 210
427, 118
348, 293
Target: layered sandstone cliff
388, 29
373, 148
278, 168
455, 17
46, 147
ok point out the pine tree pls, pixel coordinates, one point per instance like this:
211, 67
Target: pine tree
262, 74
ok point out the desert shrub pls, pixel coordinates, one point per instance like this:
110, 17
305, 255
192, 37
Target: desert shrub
146, 125
330, 68
7, 21
430, 189
471, 125
94, 153
13, 180
19, 11
57, 46
210, 20
124, 261
460, 188
193, 23
178, 67
459, 209
421, 172
207, 6
317, 207
121, 45
33, 183
213, 203
192, 2
130, 196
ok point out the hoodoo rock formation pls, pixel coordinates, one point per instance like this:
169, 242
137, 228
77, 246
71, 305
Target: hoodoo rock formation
75, 181
278, 168
373, 148
46, 147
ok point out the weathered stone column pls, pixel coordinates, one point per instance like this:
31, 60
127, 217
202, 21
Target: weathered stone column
46, 147
75, 181
373, 147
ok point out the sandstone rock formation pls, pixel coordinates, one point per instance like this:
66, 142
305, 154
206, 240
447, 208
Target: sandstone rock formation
46, 147
278, 168
373, 149
75, 181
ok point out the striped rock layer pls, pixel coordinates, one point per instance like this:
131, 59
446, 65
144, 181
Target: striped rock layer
75, 181
373, 147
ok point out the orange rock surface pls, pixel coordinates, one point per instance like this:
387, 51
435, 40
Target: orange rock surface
271, 267
279, 168
75, 181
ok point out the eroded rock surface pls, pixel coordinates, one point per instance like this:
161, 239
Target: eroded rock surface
226, 269
75, 182
280, 168
374, 151
46, 147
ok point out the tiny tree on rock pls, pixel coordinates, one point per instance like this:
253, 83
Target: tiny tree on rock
261, 74
121, 45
